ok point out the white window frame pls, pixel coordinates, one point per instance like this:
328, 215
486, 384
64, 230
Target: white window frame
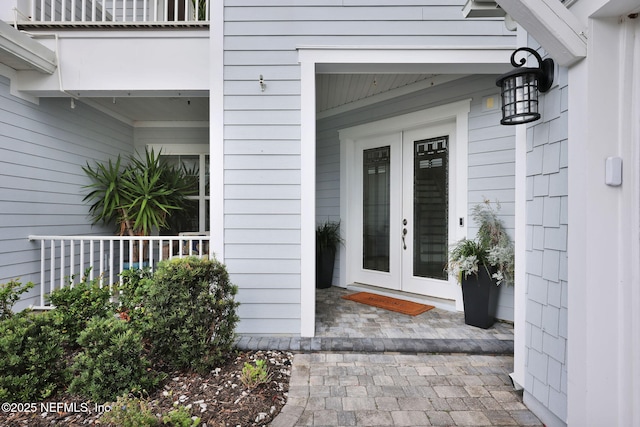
201, 150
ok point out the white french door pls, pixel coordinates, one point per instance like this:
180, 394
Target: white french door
428, 209
405, 210
378, 197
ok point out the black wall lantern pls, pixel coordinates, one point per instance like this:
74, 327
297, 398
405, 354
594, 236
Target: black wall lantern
520, 86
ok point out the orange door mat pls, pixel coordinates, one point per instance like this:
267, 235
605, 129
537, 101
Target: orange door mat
388, 303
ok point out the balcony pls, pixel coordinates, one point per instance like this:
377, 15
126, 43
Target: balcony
111, 13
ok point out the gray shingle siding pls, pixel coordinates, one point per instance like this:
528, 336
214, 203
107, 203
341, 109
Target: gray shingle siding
546, 246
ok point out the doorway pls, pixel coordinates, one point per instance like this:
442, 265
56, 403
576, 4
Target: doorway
404, 203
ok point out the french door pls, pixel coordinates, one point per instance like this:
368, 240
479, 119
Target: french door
405, 210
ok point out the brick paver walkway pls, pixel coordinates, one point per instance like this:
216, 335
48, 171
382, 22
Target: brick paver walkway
354, 389
371, 367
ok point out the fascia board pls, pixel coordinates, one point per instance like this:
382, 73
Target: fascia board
24, 50
552, 25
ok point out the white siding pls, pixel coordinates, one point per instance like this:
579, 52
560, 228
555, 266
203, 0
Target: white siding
262, 128
42, 151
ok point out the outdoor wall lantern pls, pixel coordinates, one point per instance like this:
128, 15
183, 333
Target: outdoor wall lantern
520, 86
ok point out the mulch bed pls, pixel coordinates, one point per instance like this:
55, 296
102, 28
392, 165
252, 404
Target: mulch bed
218, 399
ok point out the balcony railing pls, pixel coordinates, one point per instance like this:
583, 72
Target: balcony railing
114, 12
64, 260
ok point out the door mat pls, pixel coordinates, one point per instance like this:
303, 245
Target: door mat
388, 303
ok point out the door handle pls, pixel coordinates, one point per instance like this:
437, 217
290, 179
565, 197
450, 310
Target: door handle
404, 233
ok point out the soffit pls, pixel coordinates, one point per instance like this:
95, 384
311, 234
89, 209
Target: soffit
154, 109
336, 90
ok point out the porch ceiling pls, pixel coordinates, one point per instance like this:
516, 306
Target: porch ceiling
335, 90
154, 109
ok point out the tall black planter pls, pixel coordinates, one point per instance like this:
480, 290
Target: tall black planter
324, 268
480, 297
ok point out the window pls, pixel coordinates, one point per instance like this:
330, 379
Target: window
196, 216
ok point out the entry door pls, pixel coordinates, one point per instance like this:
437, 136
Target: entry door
405, 210
428, 210
379, 201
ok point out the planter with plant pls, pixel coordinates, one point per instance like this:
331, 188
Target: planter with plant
483, 264
327, 241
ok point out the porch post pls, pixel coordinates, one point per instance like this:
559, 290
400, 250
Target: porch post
216, 130
307, 197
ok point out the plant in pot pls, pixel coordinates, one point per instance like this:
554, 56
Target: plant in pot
138, 197
327, 241
483, 264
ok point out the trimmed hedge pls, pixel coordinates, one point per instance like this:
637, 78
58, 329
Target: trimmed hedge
31, 363
191, 313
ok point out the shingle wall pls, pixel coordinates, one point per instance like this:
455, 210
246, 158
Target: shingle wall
546, 253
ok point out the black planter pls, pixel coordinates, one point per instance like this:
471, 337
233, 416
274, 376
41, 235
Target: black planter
324, 268
480, 297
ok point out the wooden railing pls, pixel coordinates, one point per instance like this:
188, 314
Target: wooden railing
64, 260
114, 12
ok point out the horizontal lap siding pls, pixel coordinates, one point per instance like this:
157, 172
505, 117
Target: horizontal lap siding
42, 150
262, 128
492, 175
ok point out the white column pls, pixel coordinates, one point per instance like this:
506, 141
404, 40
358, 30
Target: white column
307, 198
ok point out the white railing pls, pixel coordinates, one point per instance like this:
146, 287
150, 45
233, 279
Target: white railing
65, 260
109, 12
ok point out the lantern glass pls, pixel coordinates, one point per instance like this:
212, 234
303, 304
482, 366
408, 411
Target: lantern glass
520, 99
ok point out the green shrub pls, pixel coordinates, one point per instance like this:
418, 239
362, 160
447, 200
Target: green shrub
180, 417
112, 361
75, 306
133, 294
129, 411
31, 363
254, 375
191, 313
10, 294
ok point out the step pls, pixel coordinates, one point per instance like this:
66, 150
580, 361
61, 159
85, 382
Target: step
375, 345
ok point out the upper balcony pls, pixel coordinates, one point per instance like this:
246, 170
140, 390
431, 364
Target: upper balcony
104, 14
106, 48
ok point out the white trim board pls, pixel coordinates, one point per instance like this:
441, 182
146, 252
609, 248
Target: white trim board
552, 25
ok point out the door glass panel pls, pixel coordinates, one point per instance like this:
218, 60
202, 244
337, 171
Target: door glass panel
206, 176
431, 207
376, 208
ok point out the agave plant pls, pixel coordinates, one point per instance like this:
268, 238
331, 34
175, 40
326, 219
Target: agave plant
200, 9
139, 196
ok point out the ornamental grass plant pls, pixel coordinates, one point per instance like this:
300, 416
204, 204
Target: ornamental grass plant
492, 248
